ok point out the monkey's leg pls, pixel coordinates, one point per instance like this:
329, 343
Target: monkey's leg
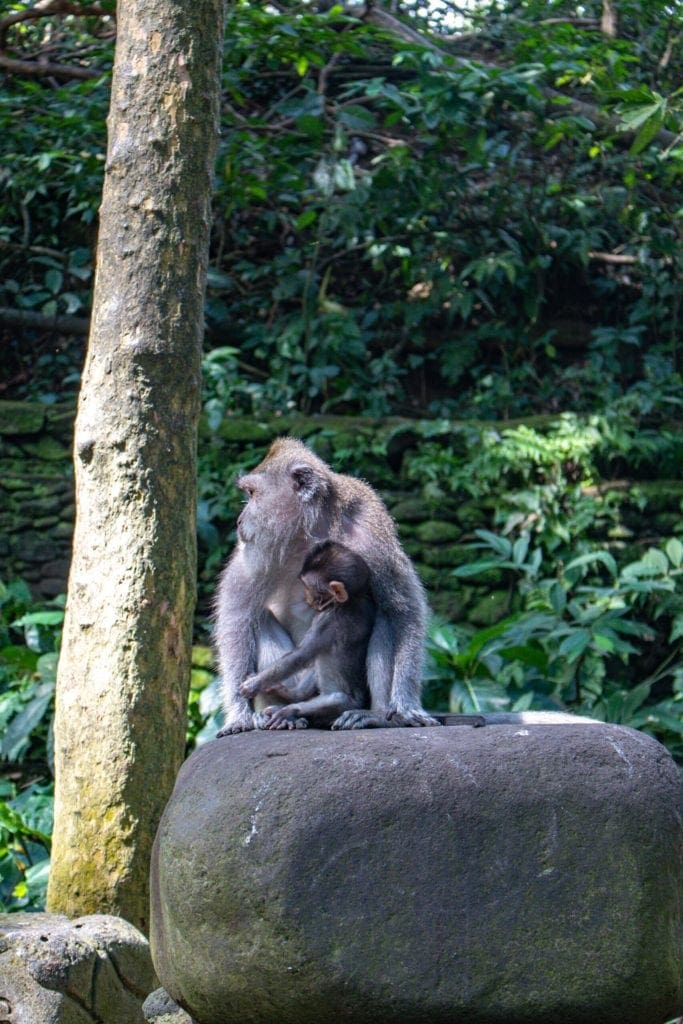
379, 682
398, 654
291, 663
273, 641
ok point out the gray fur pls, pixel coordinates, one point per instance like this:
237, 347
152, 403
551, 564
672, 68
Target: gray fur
296, 500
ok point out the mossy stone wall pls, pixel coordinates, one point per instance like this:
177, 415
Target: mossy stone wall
36, 494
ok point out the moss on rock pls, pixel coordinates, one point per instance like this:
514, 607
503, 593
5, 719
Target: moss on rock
438, 531
490, 609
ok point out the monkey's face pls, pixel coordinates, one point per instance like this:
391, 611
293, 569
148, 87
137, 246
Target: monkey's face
318, 600
272, 514
283, 499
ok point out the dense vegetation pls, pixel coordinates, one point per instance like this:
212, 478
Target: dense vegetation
418, 212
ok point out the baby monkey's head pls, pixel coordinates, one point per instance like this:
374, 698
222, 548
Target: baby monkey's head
333, 574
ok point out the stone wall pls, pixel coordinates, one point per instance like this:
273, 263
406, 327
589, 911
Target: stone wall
36, 494
37, 504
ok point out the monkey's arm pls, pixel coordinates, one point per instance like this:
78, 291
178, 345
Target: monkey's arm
239, 618
317, 639
288, 689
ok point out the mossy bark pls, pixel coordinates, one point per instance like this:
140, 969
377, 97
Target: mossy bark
125, 662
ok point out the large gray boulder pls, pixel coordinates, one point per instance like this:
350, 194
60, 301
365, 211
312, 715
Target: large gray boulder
517, 874
54, 970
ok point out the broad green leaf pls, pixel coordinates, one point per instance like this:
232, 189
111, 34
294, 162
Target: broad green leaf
674, 550
573, 646
44, 618
305, 219
529, 654
475, 568
649, 130
632, 118
499, 544
604, 557
676, 629
357, 118
520, 548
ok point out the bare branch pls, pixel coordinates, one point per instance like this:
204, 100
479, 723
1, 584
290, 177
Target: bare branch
671, 44
382, 19
613, 257
578, 22
37, 250
325, 73
42, 70
41, 321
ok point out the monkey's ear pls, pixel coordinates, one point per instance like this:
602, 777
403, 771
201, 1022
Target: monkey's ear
304, 480
338, 591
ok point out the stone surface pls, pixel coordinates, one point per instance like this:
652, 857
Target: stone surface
159, 1008
56, 971
525, 874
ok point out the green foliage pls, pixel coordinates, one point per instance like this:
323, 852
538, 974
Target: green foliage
29, 642
25, 830
540, 474
205, 716
395, 230
573, 642
466, 259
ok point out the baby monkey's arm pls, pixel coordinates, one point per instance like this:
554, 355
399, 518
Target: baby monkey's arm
272, 679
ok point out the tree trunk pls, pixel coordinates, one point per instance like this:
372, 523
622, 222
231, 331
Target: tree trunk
124, 667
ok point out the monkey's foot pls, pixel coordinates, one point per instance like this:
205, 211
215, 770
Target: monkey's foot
358, 718
243, 721
283, 718
261, 720
411, 717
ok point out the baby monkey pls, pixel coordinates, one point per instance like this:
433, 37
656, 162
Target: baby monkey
337, 586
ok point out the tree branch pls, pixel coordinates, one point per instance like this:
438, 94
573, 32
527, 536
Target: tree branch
38, 250
46, 69
41, 321
613, 257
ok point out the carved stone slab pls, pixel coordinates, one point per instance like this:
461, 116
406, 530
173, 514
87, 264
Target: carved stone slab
92, 970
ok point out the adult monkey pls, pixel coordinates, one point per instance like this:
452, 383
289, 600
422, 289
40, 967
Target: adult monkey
294, 501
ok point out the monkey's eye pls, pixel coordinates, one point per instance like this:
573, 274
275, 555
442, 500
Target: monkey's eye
247, 487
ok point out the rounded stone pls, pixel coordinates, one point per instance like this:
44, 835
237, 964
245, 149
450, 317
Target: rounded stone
516, 874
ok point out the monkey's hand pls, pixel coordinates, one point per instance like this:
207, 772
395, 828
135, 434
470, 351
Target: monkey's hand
251, 686
410, 717
285, 717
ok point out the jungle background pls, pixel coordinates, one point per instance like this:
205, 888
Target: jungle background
447, 251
